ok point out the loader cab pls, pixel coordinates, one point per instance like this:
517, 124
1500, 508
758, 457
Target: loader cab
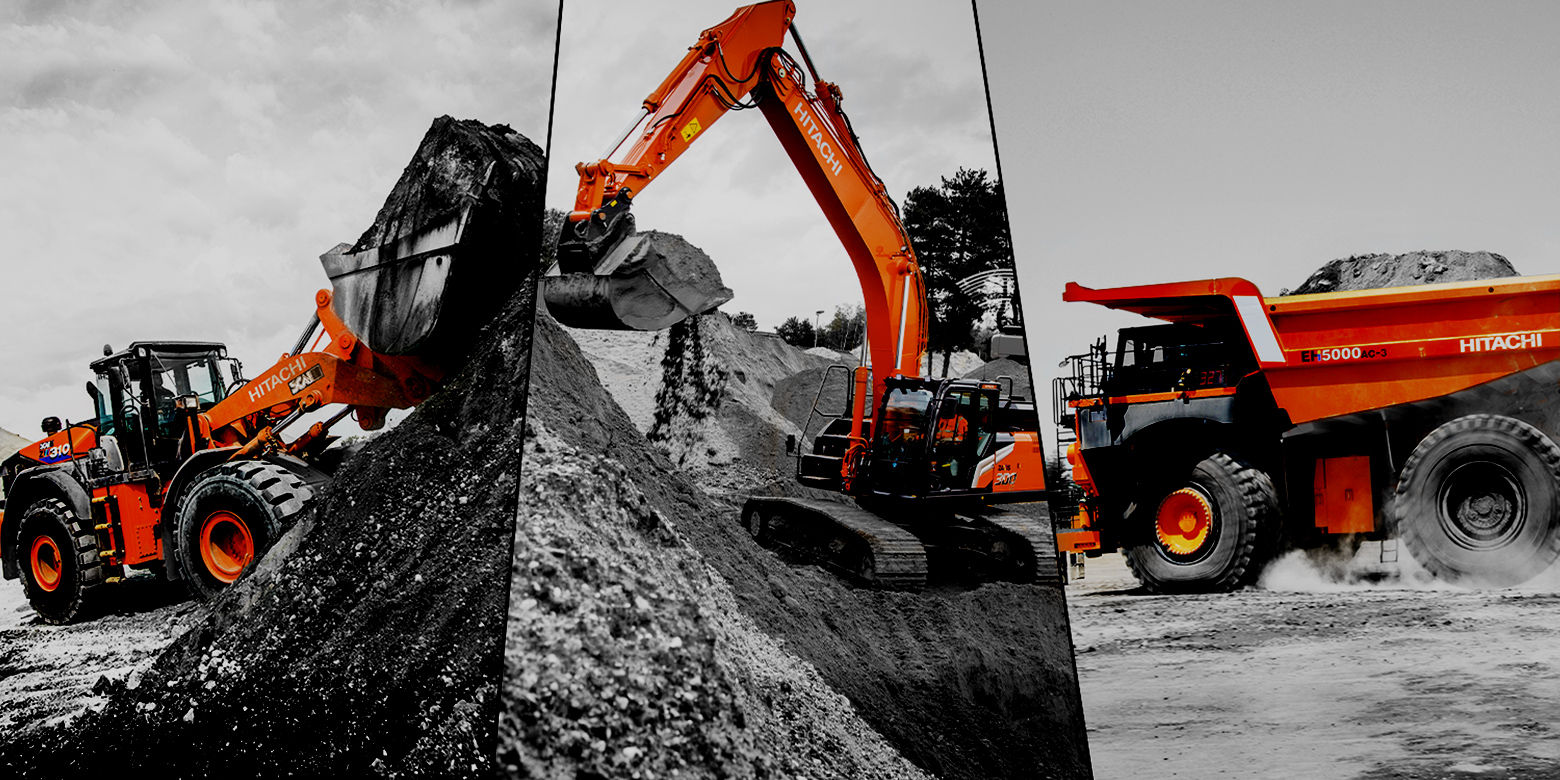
136, 395
928, 436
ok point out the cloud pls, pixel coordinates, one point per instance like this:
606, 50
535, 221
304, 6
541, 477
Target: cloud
173, 170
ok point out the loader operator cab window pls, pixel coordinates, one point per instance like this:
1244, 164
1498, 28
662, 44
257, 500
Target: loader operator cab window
102, 394
176, 374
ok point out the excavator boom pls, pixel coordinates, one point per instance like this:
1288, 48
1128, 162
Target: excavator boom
735, 65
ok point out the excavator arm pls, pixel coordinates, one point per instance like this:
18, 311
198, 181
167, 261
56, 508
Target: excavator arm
734, 65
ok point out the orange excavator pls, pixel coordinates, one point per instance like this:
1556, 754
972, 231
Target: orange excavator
927, 466
182, 471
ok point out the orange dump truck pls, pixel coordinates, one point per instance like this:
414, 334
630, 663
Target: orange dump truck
1243, 426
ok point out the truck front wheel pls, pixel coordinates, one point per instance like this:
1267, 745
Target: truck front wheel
1205, 532
1477, 503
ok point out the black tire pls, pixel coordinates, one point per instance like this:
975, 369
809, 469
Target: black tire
246, 507
1477, 501
1243, 524
66, 590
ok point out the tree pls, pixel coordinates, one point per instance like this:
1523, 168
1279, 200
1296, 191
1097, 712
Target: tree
957, 228
745, 321
552, 223
845, 330
796, 331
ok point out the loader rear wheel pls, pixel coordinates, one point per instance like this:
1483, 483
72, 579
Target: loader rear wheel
1477, 501
229, 518
1206, 532
62, 569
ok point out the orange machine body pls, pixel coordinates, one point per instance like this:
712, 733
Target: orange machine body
741, 58
1344, 383
128, 512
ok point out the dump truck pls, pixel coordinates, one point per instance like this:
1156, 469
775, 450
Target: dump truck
181, 470
1246, 425
926, 460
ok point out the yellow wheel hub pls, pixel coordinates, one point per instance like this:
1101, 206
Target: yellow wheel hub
1183, 521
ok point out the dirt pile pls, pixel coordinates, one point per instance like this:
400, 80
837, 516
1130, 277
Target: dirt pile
367, 641
702, 389
10, 443
962, 683
1011, 369
1365, 272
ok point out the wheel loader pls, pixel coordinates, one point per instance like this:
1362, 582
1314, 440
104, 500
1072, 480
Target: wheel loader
925, 461
1245, 425
181, 471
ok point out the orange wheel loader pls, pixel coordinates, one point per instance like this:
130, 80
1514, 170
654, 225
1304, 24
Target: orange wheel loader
181, 470
926, 465
1245, 425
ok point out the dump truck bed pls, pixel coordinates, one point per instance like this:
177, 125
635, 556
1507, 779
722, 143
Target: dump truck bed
1332, 354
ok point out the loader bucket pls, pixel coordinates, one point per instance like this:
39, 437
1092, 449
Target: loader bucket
455, 239
649, 281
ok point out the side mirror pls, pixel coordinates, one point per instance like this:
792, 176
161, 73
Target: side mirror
92, 390
51, 426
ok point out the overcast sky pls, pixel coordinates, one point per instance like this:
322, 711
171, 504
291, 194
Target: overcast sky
172, 170
1152, 142
910, 73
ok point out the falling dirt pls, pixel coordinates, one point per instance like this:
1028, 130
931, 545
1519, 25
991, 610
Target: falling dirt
691, 391
1388, 677
1364, 272
960, 683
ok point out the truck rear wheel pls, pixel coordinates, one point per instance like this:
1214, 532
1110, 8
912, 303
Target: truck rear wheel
1477, 501
229, 518
60, 564
1206, 532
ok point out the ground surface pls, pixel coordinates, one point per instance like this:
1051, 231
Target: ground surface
48, 672
1311, 679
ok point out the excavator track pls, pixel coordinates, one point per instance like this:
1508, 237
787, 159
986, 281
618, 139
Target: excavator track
1030, 544
843, 537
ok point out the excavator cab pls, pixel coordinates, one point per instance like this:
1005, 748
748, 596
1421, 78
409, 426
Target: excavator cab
929, 436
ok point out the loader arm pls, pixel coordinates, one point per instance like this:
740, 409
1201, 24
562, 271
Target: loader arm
740, 64
344, 370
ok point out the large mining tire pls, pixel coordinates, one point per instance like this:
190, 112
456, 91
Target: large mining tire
229, 518
58, 555
1209, 531
1476, 502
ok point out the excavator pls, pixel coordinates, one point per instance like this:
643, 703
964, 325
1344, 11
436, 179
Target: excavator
182, 472
927, 465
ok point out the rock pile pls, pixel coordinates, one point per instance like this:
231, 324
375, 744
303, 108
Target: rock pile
1365, 272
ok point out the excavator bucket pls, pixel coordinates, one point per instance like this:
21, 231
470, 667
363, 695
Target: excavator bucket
450, 246
646, 281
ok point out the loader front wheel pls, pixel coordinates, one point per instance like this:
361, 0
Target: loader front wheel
229, 518
1205, 532
62, 569
1477, 504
